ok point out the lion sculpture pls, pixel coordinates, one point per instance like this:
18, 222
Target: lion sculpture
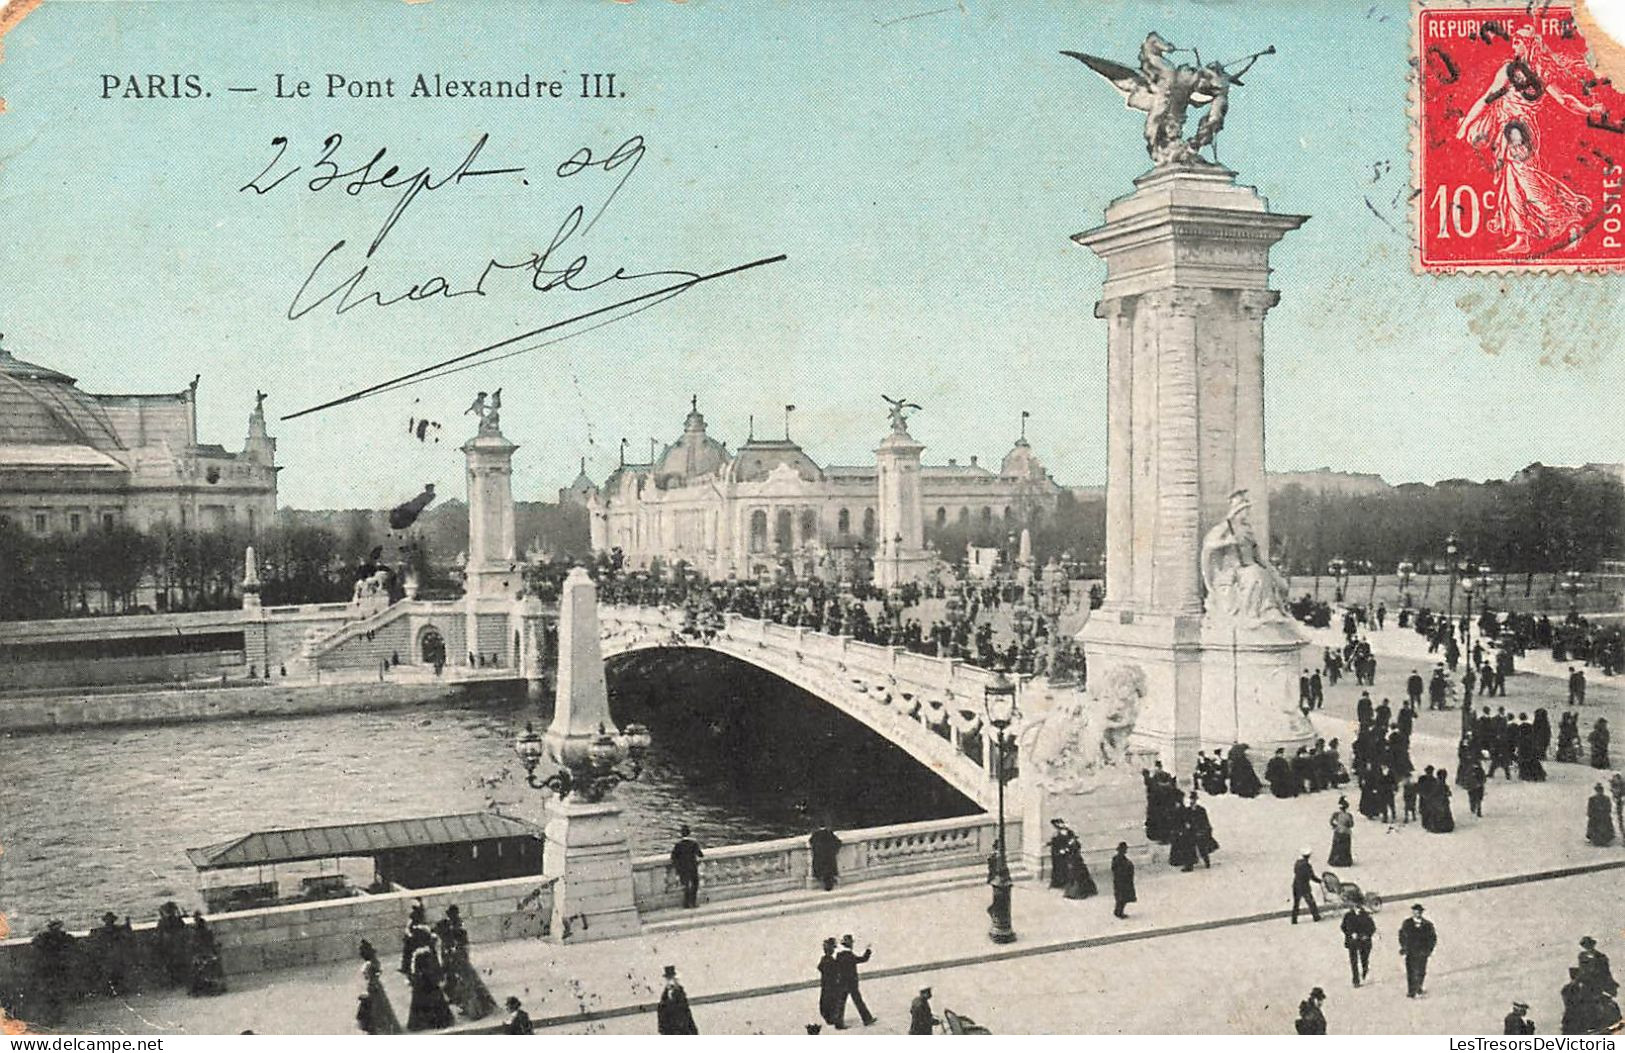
1072, 745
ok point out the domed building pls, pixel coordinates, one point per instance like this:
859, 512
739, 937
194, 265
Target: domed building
769, 505
72, 461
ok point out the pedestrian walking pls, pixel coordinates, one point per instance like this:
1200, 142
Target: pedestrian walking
1342, 823
1122, 879
1359, 929
1311, 1017
685, 863
1599, 818
920, 1019
1417, 938
672, 1015
1517, 1022
846, 964
518, 1021
373, 1014
1303, 875
831, 997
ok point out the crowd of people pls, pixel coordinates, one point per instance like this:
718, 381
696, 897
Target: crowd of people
109, 961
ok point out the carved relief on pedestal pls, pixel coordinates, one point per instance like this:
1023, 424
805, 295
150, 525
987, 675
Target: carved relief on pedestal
1085, 736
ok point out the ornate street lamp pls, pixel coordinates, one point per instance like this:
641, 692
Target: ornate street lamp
588, 772
999, 703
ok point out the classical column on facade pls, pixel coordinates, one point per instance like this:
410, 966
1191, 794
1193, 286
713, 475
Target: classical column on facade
901, 555
1186, 290
586, 847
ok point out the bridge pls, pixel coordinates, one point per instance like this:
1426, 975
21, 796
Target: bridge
931, 708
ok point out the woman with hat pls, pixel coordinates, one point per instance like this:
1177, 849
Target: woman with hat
1342, 823
1599, 818
1311, 1019
373, 1014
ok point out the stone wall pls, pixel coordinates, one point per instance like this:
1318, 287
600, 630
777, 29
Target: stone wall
267, 698
127, 669
785, 865
284, 937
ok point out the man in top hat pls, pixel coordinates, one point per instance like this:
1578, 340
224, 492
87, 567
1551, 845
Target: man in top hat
1303, 875
1359, 927
920, 1019
846, 969
1417, 938
672, 1015
1517, 1022
685, 863
1594, 968
518, 1022
1311, 1018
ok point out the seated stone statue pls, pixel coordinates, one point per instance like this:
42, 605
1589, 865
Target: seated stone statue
1241, 584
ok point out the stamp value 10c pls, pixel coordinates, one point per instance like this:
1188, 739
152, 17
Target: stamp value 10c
1519, 144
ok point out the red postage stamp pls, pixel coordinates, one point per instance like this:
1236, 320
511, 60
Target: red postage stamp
1519, 143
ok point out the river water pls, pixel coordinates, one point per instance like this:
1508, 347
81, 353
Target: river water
99, 819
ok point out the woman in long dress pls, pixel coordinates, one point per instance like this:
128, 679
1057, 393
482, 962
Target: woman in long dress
1182, 840
374, 1015
463, 983
430, 1010
1079, 883
1599, 821
1243, 779
1568, 739
208, 975
1443, 821
1342, 823
1599, 743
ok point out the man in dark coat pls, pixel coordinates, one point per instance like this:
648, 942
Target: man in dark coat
846, 968
1303, 875
1201, 828
1417, 939
685, 862
1311, 1019
920, 1019
1122, 879
1594, 968
672, 1015
518, 1021
53, 969
1359, 928
1517, 1022
1278, 773
825, 856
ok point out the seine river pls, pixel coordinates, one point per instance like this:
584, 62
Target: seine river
99, 819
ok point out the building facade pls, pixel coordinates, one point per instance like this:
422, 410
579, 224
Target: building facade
71, 461
768, 506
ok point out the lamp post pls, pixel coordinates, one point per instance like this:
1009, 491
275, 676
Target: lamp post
591, 773
1450, 550
999, 702
1571, 587
1339, 570
1468, 584
1405, 571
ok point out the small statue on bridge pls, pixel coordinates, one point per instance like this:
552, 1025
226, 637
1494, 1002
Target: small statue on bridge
1086, 735
1166, 91
899, 420
487, 407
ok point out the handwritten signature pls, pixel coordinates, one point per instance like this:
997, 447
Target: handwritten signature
547, 269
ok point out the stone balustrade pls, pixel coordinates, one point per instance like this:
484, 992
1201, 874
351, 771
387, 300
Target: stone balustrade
302, 934
785, 865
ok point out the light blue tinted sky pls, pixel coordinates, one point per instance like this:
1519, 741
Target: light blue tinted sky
923, 175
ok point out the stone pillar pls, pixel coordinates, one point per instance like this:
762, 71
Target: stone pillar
492, 553
586, 849
1187, 271
900, 511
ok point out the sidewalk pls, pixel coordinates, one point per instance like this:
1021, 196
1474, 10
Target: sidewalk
1529, 828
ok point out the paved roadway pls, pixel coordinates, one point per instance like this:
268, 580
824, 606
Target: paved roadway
1220, 972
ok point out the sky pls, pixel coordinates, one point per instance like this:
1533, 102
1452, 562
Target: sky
921, 164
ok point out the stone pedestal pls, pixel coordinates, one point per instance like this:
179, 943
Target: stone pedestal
1111, 811
588, 854
493, 567
1186, 292
901, 555
1250, 688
